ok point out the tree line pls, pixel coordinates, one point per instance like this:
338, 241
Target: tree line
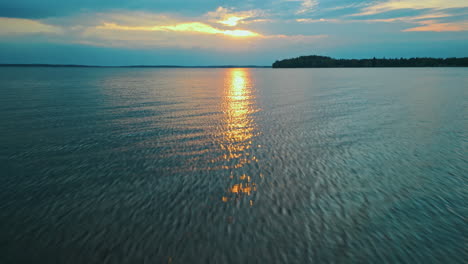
328, 62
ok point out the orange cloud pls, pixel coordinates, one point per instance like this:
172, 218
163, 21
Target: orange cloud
390, 5
428, 22
227, 17
407, 19
191, 27
432, 25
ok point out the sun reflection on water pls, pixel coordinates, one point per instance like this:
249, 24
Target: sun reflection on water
238, 134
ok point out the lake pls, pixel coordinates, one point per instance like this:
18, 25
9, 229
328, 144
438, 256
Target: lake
123, 165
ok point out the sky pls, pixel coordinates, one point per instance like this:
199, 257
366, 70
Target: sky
227, 32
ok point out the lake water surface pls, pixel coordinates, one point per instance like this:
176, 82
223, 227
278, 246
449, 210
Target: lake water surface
233, 165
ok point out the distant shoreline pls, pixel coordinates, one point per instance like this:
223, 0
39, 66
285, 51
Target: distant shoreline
314, 61
318, 62
127, 66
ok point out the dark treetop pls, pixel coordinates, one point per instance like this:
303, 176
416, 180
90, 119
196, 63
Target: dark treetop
327, 62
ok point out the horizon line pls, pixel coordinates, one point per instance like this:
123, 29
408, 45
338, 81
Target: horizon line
126, 66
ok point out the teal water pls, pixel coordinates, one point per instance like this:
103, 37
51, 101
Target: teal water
233, 165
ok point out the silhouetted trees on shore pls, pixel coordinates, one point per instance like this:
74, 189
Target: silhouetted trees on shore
327, 62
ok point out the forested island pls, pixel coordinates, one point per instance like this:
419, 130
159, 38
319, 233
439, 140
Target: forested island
328, 62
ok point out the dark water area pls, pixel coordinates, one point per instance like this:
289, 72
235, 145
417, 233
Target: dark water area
233, 165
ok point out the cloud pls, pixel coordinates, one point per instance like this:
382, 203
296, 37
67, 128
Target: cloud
391, 5
148, 39
35, 9
310, 20
429, 15
228, 17
19, 26
429, 22
406, 19
231, 30
435, 26
346, 6
306, 6
192, 27
138, 30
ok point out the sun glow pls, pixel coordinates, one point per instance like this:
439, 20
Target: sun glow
231, 21
192, 27
240, 33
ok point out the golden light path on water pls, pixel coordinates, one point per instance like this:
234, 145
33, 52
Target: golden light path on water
239, 132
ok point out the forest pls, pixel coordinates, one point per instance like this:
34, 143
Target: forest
315, 61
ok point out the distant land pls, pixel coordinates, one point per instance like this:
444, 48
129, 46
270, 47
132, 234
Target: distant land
129, 66
315, 61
